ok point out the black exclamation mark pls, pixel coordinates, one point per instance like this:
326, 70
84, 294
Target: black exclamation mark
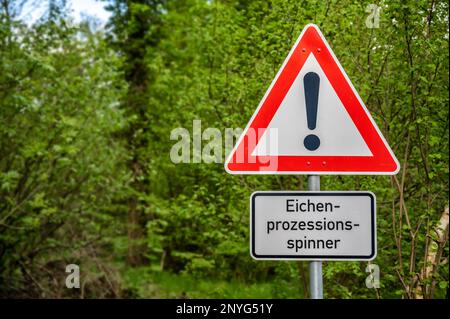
311, 82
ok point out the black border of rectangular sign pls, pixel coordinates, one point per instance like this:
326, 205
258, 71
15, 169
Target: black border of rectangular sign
312, 193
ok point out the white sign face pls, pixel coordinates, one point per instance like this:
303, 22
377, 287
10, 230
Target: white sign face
313, 225
338, 133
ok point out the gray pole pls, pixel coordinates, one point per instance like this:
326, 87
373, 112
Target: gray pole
315, 267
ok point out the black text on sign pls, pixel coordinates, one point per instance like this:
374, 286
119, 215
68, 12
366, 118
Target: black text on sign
313, 225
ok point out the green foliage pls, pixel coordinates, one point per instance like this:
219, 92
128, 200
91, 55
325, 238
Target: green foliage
61, 171
215, 62
85, 170
141, 282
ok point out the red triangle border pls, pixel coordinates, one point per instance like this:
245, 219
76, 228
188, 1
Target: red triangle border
383, 161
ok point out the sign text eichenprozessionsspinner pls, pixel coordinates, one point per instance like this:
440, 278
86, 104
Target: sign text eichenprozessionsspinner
303, 225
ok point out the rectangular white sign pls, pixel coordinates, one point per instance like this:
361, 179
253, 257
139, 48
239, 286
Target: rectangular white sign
313, 225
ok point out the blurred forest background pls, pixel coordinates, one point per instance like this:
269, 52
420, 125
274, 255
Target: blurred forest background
86, 115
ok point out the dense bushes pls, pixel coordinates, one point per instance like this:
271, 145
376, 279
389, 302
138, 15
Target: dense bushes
61, 169
85, 126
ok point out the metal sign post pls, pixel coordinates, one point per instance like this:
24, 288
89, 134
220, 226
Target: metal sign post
315, 267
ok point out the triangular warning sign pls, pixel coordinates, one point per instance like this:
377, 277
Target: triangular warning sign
311, 121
